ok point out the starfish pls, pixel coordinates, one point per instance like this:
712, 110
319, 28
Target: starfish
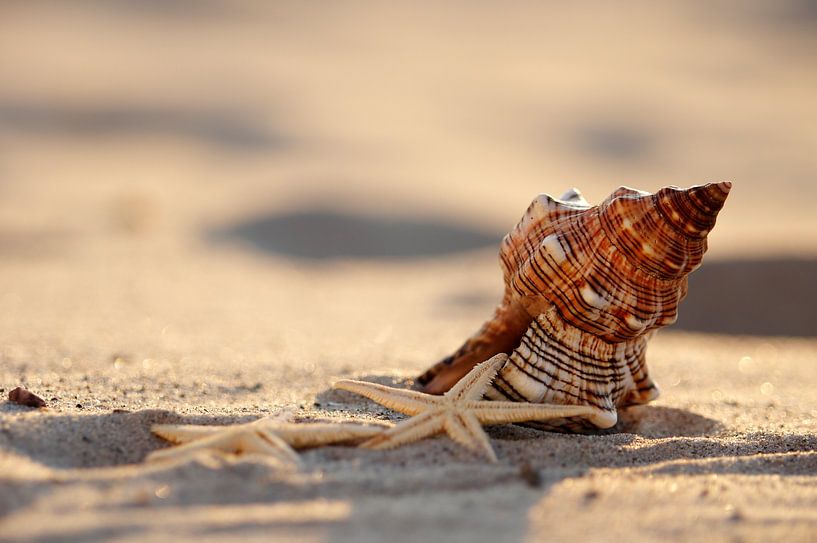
270, 437
460, 413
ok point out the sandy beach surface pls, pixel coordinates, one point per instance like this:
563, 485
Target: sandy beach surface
211, 211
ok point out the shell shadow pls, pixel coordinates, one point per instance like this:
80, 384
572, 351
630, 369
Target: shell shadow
788, 454
326, 234
656, 421
769, 297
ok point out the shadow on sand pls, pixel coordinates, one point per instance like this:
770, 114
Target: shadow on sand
529, 458
229, 129
769, 297
650, 421
323, 234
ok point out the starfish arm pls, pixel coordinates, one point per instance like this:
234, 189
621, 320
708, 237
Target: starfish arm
246, 438
301, 436
409, 402
185, 433
263, 442
490, 412
465, 429
408, 431
473, 385
228, 441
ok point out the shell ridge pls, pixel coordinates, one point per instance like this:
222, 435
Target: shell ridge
543, 369
540, 217
567, 290
661, 211
506, 389
542, 341
534, 265
543, 334
663, 291
606, 229
596, 376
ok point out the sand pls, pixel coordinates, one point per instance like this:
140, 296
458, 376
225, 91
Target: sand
210, 211
724, 455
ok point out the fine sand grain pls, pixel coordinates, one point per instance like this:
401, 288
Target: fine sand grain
210, 211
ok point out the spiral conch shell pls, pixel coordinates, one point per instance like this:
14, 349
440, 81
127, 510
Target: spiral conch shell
585, 288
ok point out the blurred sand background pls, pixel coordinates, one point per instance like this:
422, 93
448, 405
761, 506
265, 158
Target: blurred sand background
210, 210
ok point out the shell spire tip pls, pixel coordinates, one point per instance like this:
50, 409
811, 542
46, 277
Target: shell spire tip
713, 195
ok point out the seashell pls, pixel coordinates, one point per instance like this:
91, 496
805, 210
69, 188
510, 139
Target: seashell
585, 288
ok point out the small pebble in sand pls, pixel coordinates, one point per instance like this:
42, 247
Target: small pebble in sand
591, 495
22, 396
530, 475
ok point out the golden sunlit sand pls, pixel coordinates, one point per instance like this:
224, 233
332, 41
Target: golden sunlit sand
210, 211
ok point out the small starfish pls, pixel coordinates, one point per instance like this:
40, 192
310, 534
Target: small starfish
266, 436
460, 413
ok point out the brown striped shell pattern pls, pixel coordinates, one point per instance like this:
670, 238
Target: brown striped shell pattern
585, 288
